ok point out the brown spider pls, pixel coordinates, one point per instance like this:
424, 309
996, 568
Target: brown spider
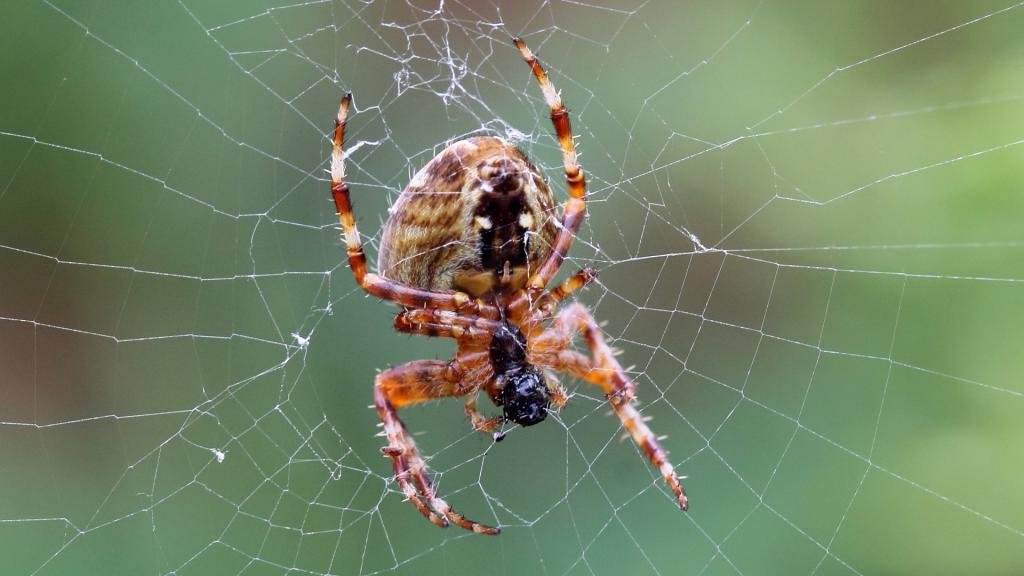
467, 252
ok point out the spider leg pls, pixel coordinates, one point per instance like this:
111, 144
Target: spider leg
445, 323
575, 207
604, 371
401, 386
549, 300
481, 423
373, 284
558, 395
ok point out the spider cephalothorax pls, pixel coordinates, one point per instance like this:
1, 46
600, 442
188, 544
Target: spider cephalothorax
467, 252
524, 395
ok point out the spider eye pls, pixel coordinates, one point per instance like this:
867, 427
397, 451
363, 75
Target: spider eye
525, 396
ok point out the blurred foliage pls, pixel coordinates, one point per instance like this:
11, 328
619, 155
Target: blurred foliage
806, 217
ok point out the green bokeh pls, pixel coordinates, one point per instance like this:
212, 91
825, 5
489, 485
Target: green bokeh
807, 218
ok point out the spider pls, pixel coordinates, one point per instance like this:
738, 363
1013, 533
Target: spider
467, 252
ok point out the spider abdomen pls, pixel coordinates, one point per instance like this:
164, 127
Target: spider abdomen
477, 218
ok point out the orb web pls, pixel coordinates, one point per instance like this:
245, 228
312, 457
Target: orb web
804, 217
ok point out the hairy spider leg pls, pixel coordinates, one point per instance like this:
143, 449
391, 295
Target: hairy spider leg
411, 383
446, 324
530, 312
480, 422
575, 206
604, 371
372, 283
546, 304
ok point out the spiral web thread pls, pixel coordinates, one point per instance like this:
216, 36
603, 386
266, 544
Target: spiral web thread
180, 305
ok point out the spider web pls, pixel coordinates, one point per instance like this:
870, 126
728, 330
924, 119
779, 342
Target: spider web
806, 218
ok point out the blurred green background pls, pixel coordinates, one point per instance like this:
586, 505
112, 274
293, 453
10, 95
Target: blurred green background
807, 217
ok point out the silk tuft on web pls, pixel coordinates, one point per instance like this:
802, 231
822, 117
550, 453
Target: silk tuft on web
806, 219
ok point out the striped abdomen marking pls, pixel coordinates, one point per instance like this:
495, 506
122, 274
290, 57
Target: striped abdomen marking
477, 218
